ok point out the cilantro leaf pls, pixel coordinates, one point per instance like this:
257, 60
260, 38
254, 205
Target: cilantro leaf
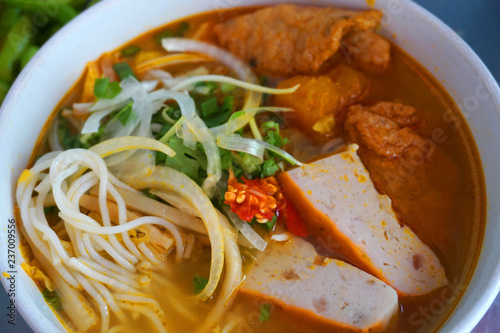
209, 107
52, 299
272, 132
103, 89
130, 51
269, 168
124, 114
123, 70
199, 283
186, 160
265, 312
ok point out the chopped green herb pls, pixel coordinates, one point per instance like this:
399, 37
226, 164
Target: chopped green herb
209, 107
272, 131
199, 283
91, 139
250, 163
186, 160
124, 114
103, 89
179, 32
130, 51
227, 104
50, 210
269, 168
222, 113
174, 112
265, 312
157, 118
52, 299
225, 159
163, 131
123, 70
67, 137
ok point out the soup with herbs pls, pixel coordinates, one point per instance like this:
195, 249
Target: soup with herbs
271, 169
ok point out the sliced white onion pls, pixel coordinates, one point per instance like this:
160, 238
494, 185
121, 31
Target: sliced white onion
280, 237
187, 83
164, 178
193, 125
246, 230
82, 107
165, 77
244, 145
253, 147
241, 118
140, 106
93, 122
122, 99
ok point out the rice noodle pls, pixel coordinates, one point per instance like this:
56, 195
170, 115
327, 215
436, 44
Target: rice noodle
172, 180
88, 269
233, 278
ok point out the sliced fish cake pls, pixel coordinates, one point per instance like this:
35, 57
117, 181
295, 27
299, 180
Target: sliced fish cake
333, 292
337, 199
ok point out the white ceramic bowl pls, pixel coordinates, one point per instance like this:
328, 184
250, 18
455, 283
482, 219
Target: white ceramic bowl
111, 23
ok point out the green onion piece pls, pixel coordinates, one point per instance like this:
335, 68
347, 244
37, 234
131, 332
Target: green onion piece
226, 160
199, 283
209, 107
164, 130
227, 104
269, 225
103, 89
130, 51
50, 210
272, 131
124, 114
57, 10
265, 312
66, 135
179, 32
52, 298
269, 168
28, 54
171, 132
123, 70
16, 42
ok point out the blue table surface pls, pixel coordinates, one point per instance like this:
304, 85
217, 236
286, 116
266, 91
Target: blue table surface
478, 23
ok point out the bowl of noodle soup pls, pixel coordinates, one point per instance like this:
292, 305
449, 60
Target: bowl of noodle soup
107, 26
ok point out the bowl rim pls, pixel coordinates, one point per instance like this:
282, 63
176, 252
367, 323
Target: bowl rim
465, 323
